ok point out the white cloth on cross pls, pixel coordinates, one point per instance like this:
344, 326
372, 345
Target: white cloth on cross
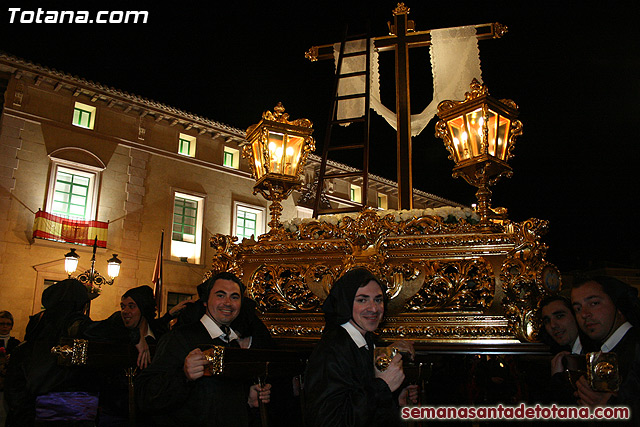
455, 62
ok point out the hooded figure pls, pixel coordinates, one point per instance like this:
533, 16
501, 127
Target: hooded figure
338, 307
33, 373
143, 296
341, 387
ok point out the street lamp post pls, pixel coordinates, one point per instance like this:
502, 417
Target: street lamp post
91, 278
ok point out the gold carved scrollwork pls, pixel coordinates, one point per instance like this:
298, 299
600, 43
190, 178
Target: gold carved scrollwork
364, 231
318, 230
403, 281
320, 278
521, 278
455, 285
282, 288
226, 256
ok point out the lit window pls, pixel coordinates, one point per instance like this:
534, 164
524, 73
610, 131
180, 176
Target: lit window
186, 227
355, 193
72, 191
248, 221
187, 145
84, 115
382, 201
71, 194
185, 215
231, 158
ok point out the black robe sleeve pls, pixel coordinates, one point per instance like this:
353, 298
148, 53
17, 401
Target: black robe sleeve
112, 329
164, 393
628, 353
163, 384
340, 388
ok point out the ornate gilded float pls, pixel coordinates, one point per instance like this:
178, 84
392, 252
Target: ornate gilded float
449, 280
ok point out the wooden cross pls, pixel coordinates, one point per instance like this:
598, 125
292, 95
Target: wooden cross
402, 38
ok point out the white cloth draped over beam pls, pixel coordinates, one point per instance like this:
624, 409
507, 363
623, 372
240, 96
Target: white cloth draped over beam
455, 62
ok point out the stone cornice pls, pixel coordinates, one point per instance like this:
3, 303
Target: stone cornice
128, 102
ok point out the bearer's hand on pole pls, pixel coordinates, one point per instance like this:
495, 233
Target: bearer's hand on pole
259, 393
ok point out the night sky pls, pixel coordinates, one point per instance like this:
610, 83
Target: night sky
573, 70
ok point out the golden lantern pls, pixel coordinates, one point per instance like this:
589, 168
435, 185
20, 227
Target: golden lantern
277, 152
479, 134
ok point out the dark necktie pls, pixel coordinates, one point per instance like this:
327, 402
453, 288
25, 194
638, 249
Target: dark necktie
226, 330
369, 339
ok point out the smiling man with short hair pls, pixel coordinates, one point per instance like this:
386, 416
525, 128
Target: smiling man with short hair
608, 311
173, 389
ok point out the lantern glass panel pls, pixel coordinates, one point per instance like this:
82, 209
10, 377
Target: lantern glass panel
70, 264
474, 122
258, 158
459, 138
113, 269
503, 134
292, 153
275, 146
498, 127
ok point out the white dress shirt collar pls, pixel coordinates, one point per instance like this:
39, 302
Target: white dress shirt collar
577, 346
355, 334
214, 330
615, 338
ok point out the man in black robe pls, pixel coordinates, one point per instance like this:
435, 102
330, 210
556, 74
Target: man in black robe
134, 324
560, 332
173, 389
37, 389
342, 387
608, 312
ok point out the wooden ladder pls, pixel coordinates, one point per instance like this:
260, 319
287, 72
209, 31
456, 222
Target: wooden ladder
330, 145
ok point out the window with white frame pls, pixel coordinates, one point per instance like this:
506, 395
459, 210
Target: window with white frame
84, 115
248, 220
187, 145
186, 227
382, 201
73, 190
231, 158
355, 193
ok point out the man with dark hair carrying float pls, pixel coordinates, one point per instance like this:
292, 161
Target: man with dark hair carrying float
174, 390
608, 312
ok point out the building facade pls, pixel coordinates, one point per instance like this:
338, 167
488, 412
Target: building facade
70, 148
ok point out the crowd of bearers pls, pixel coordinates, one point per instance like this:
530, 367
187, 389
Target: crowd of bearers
343, 385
